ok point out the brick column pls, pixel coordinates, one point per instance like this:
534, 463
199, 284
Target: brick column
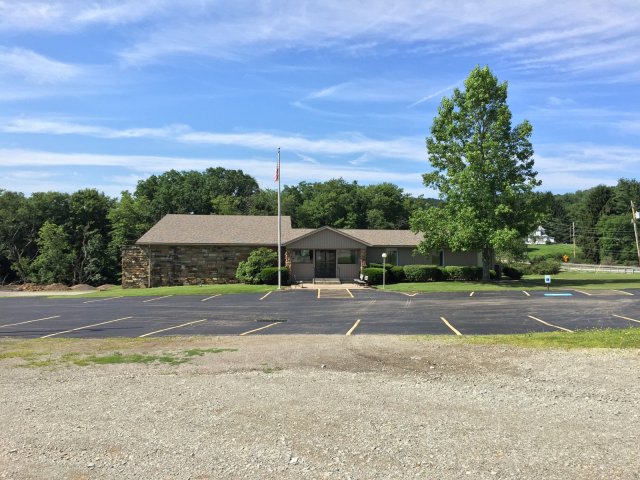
363, 258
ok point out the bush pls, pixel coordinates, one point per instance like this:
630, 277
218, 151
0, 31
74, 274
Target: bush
423, 273
374, 275
453, 272
471, 274
512, 272
387, 266
397, 274
269, 275
546, 267
249, 270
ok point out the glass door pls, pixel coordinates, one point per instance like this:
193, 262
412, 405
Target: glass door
325, 264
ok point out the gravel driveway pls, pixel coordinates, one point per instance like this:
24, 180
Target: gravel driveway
374, 407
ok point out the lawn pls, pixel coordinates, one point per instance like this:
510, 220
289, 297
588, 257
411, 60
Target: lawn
181, 290
553, 249
561, 281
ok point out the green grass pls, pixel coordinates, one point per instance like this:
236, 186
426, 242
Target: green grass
561, 281
33, 355
555, 249
181, 290
604, 338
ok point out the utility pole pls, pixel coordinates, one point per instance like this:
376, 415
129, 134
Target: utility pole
634, 218
573, 234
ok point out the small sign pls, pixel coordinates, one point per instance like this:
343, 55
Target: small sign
547, 279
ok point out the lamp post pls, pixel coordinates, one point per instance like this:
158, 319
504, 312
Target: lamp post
384, 268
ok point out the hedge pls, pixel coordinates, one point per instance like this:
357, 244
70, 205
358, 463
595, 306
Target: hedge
374, 275
423, 273
546, 267
512, 272
397, 274
269, 276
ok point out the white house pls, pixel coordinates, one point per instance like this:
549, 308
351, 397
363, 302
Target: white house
539, 237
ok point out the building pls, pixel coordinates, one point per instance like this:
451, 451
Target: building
539, 237
197, 249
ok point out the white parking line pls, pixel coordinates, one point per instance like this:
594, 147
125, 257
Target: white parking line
409, 294
622, 291
209, 298
450, 326
626, 318
261, 328
584, 293
471, 294
171, 328
100, 300
349, 292
526, 293
157, 298
550, 324
85, 327
29, 321
265, 296
355, 325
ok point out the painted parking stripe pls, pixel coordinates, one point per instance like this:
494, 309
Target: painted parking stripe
583, 292
85, 327
209, 298
549, 324
100, 300
355, 325
409, 294
453, 329
29, 321
626, 318
318, 293
157, 298
526, 293
171, 328
349, 292
471, 294
261, 328
265, 296
622, 291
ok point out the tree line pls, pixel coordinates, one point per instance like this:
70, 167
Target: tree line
76, 238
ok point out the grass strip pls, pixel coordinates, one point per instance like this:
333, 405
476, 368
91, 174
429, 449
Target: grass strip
207, 290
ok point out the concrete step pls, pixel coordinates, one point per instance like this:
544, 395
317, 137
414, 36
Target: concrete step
327, 281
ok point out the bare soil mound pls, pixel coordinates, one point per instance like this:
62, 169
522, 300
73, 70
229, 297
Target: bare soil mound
83, 286
106, 286
34, 287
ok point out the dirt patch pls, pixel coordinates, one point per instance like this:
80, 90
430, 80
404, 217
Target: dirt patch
34, 287
373, 407
83, 287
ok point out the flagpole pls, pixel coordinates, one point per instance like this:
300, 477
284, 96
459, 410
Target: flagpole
279, 228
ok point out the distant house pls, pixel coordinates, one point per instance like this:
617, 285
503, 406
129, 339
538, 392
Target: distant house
539, 237
195, 249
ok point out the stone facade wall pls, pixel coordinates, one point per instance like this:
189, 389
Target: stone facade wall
181, 264
135, 267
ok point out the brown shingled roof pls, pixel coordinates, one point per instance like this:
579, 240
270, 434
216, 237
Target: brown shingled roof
217, 230
388, 238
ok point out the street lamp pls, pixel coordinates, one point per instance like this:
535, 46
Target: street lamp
384, 268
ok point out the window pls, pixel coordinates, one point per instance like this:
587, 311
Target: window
347, 257
392, 256
302, 256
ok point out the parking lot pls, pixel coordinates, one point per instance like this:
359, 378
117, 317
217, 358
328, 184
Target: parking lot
333, 312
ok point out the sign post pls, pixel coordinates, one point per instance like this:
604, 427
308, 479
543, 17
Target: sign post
547, 280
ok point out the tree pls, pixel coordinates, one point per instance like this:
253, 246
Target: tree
259, 259
55, 260
483, 169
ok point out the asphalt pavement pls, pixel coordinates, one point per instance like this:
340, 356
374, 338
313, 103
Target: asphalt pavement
337, 312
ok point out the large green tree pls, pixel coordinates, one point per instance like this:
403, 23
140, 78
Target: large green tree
483, 170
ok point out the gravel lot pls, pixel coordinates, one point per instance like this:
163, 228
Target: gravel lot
326, 407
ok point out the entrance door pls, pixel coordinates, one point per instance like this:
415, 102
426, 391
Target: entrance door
325, 264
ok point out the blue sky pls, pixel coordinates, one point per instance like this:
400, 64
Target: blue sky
104, 93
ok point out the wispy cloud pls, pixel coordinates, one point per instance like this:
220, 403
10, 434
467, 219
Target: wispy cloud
435, 94
36, 68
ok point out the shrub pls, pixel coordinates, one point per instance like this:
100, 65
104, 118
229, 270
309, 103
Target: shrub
546, 267
471, 274
269, 275
512, 272
249, 270
453, 272
397, 273
387, 266
423, 273
374, 275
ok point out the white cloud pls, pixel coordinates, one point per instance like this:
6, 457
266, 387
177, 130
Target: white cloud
36, 68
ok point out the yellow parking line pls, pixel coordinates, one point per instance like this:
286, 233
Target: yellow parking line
580, 291
265, 296
349, 292
209, 298
158, 298
100, 300
450, 326
171, 328
626, 318
85, 327
550, 324
261, 328
318, 293
526, 293
355, 325
622, 291
29, 321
